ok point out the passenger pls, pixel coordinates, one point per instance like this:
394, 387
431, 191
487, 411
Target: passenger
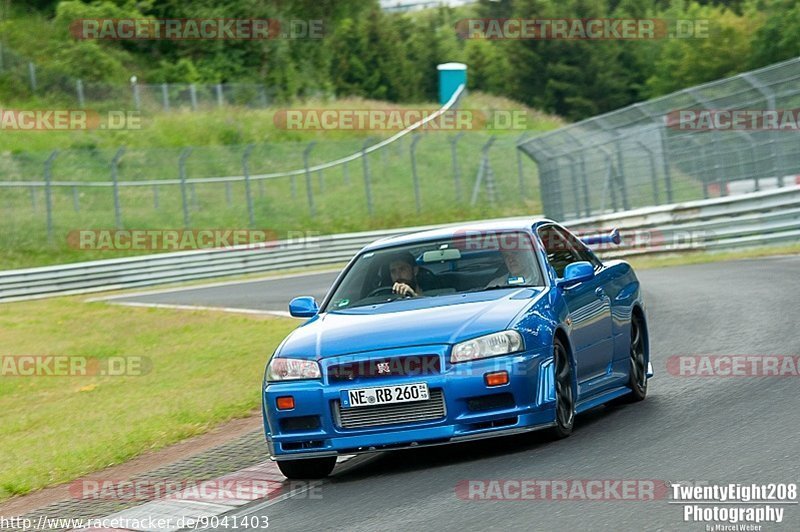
521, 269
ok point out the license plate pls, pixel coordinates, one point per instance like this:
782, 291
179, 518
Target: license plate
385, 395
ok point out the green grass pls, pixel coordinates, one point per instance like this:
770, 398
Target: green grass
701, 257
206, 369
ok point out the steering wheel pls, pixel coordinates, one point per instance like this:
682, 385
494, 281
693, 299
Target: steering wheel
381, 290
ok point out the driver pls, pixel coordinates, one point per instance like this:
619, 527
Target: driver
521, 268
403, 270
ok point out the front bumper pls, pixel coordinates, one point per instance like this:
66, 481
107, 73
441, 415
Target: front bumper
528, 404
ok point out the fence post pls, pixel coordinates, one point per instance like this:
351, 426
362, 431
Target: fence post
485, 172
48, 194
182, 172
114, 180
609, 179
413, 149
32, 75
193, 96
520, 173
574, 183
76, 202
137, 102
79, 90
365, 163
309, 191
665, 165
246, 170
584, 180
165, 95
620, 175
220, 101
769, 99
456, 170
654, 179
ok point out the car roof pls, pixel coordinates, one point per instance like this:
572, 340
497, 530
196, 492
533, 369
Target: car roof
510, 224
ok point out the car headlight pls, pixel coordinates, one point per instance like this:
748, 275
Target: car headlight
501, 343
287, 369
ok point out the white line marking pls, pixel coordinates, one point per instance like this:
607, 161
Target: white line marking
210, 285
255, 508
281, 313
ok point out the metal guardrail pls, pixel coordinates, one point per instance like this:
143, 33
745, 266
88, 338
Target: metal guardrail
768, 217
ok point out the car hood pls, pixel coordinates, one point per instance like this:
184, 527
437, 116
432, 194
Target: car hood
414, 322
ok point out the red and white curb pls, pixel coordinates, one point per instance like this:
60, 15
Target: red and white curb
209, 498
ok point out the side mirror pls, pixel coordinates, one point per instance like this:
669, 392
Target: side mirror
576, 272
303, 307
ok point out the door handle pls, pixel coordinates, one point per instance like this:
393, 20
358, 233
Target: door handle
599, 292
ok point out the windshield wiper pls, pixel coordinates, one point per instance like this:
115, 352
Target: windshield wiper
503, 286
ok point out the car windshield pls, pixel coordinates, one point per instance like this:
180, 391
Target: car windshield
468, 262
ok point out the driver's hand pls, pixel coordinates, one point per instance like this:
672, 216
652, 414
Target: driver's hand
404, 290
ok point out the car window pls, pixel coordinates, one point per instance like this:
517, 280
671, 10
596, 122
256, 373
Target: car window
579, 248
559, 251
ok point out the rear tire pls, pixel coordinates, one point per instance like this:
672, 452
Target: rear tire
637, 375
307, 468
565, 395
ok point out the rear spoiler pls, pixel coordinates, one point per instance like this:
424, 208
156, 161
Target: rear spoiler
611, 238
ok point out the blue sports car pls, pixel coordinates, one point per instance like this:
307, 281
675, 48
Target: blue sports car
451, 335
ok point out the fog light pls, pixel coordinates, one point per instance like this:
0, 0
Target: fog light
496, 379
285, 403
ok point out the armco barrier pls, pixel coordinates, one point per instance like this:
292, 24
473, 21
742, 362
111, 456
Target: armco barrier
769, 217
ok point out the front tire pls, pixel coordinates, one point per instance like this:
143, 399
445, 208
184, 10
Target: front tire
307, 468
565, 395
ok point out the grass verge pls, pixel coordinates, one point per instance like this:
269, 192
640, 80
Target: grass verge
700, 257
206, 369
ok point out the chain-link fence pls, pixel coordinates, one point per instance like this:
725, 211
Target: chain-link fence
668, 150
421, 178
31, 80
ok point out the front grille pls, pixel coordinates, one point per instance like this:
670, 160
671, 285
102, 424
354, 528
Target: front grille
403, 366
375, 416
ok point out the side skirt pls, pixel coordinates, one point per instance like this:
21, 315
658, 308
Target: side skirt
597, 400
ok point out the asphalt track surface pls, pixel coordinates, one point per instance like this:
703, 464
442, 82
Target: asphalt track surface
689, 429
